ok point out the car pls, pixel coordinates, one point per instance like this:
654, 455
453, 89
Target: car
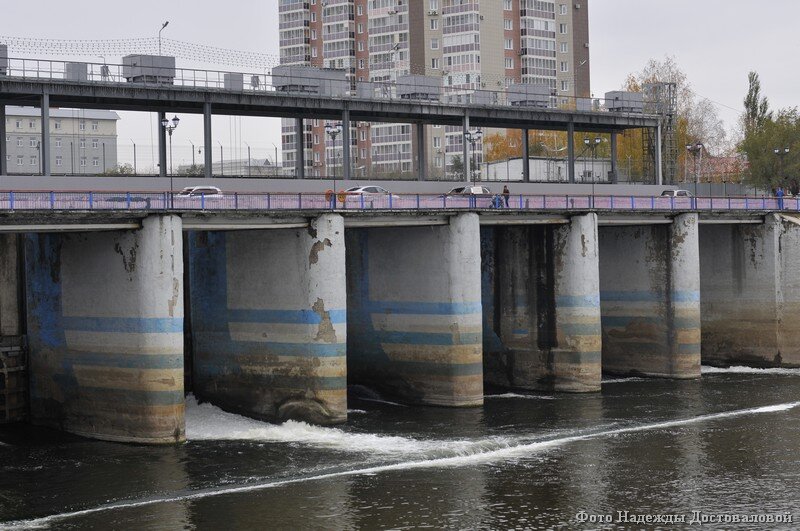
367, 190
676, 193
470, 190
207, 192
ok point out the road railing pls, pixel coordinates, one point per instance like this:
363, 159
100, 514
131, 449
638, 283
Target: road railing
342, 201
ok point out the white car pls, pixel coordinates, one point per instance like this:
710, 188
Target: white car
207, 192
470, 190
369, 191
676, 193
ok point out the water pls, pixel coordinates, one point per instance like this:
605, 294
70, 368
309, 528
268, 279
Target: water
729, 443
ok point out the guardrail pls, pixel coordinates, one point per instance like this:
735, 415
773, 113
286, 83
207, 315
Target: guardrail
166, 201
475, 94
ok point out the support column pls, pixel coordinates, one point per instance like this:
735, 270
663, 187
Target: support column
650, 300
346, 166
659, 167
750, 293
300, 152
526, 165
44, 151
208, 160
268, 321
465, 152
422, 159
3, 145
614, 176
571, 152
105, 332
414, 312
162, 145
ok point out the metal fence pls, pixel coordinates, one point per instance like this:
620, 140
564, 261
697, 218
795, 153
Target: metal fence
255, 82
166, 201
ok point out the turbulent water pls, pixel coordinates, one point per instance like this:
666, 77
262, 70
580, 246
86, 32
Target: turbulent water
728, 444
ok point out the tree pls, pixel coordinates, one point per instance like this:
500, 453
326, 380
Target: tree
194, 169
120, 169
756, 106
767, 168
457, 166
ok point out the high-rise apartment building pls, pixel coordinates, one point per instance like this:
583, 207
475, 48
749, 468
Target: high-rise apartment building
470, 45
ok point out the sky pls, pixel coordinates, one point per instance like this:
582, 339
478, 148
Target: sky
715, 42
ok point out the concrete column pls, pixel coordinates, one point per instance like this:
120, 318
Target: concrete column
208, 160
650, 301
3, 146
162, 145
10, 318
300, 152
414, 311
526, 166
268, 321
571, 152
541, 306
575, 361
44, 149
465, 151
750, 293
422, 159
659, 166
105, 332
347, 168
614, 176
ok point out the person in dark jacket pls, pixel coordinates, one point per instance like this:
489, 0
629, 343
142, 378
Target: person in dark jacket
506, 194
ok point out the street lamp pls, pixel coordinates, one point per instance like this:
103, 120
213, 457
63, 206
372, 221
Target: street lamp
333, 131
473, 137
164, 25
697, 152
170, 126
780, 153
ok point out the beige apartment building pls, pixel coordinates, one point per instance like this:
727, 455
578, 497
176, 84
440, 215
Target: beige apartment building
471, 45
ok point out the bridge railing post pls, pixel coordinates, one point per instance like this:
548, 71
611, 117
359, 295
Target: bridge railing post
11, 200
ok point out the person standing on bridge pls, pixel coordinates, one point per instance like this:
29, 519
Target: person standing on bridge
779, 195
506, 194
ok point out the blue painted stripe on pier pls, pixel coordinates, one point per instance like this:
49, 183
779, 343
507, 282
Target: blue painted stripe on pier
577, 301
215, 343
284, 316
520, 331
123, 361
427, 338
119, 399
649, 296
423, 308
141, 325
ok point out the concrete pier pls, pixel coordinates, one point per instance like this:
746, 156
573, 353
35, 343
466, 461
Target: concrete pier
541, 306
268, 318
105, 332
751, 293
414, 311
650, 300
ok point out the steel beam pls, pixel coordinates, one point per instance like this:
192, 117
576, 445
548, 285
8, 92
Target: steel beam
300, 151
465, 151
659, 169
3, 146
207, 139
614, 177
346, 166
571, 152
526, 155
422, 159
162, 145
44, 147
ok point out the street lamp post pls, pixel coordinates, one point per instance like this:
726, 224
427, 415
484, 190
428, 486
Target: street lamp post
192, 143
473, 137
333, 131
276, 158
164, 25
170, 126
697, 152
780, 154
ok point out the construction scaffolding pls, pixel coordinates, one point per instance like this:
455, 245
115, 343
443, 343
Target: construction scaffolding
661, 99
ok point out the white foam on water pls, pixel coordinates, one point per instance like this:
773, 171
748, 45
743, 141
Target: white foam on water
489, 456
707, 369
206, 422
517, 395
622, 380
355, 412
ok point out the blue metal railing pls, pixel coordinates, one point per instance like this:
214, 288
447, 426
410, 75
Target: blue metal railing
164, 201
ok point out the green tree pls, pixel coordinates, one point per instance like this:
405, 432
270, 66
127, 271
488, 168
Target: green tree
194, 169
756, 106
457, 166
768, 168
120, 169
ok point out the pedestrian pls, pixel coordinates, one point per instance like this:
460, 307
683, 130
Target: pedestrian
779, 195
506, 194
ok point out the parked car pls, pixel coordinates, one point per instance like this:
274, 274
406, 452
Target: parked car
470, 190
676, 193
208, 192
369, 191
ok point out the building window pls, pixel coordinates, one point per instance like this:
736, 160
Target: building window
95, 162
57, 124
18, 124
562, 9
361, 63
313, 16
58, 142
434, 5
507, 5
434, 24
82, 125
19, 160
564, 47
34, 162
434, 44
360, 27
95, 126
59, 160
32, 142
509, 62
562, 29
437, 141
435, 63
313, 34
564, 86
363, 154
360, 10
313, 52
83, 143
508, 24
316, 139
95, 143
509, 44
83, 162
564, 66
363, 135
31, 124
19, 141
360, 46
316, 156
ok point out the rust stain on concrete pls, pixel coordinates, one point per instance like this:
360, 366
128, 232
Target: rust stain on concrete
173, 301
325, 332
129, 259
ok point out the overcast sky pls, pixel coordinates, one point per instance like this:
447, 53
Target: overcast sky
716, 42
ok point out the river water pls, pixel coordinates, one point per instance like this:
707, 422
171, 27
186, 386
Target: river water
728, 444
